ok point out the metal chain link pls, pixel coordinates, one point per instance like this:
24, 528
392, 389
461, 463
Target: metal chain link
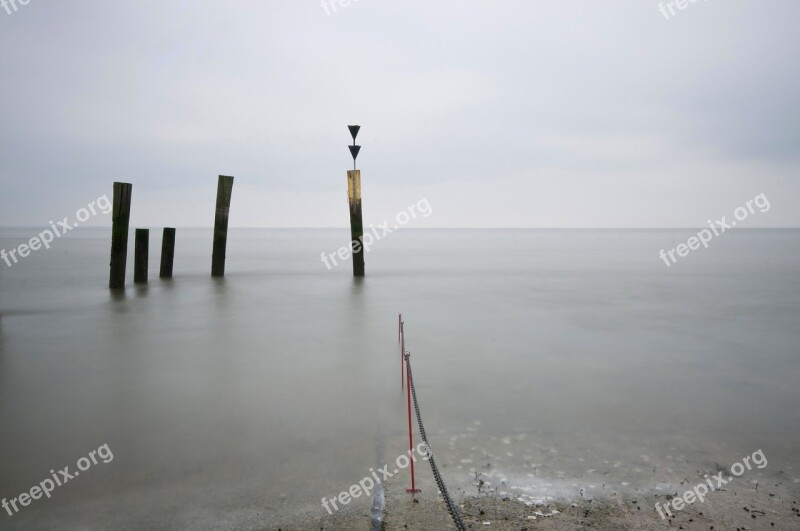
451, 507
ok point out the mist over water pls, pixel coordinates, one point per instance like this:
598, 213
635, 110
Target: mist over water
244, 400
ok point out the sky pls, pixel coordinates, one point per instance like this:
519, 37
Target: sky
559, 113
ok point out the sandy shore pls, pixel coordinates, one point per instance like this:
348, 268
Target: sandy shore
534, 489
740, 509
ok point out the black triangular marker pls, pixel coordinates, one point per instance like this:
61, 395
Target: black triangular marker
354, 131
354, 151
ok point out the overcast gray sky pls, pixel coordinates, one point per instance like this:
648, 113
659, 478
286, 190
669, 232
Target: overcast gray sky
559, 113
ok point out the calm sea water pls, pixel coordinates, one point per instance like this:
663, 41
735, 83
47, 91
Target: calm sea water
243, 401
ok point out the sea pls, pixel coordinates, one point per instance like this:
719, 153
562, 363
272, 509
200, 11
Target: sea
546, 363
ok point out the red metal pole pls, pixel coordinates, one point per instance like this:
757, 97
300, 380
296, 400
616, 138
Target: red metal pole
410, 437
400, 342
402, 353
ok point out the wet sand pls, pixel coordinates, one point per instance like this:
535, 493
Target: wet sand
741, 509
514, 483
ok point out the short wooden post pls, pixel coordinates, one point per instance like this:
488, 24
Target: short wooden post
141, 256
224, 190
356, 225
167, 252
120, 220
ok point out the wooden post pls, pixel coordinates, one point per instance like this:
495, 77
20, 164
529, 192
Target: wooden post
167, 252
356, 225
224, 189
141, 256
120, 219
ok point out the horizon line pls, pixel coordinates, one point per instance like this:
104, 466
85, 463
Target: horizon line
211, 227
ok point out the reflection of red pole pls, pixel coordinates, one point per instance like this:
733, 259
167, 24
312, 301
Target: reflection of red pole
410, 436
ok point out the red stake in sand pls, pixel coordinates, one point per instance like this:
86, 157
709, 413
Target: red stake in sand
404, 356
401, 340
410, 434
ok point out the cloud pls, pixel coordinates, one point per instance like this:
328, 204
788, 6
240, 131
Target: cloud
454, 94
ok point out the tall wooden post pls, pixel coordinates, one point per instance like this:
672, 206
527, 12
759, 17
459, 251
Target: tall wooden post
120, 219
356, 225
354, 198
224, 190
141, 256
167, 252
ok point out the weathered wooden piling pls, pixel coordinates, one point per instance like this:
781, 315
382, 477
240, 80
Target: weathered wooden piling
120, 219
354, 199
356, 225
167, 252
141, 256
224, 190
